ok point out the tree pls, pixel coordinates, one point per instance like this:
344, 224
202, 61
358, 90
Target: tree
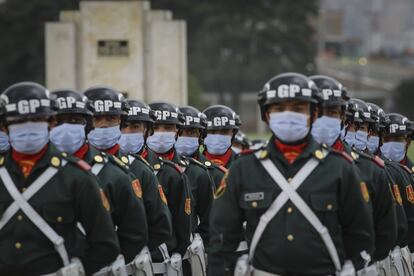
236, 46
22, 38
404, 97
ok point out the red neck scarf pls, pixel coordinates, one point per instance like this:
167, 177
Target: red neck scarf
219, 159
169, 155
290, 152
113, 150
82, 151
338, 145
26, 162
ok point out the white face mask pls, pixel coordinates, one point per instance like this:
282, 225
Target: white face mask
289, 126
29, 137
161, 142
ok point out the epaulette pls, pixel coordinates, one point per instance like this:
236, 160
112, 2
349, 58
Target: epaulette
377, 160
195, 162
56, 161
407, 169
172, 164
100, 158
142, 159
114, 160
2, 159
345, 155
124, 159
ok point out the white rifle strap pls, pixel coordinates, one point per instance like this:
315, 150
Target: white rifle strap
131, 158
34, 217
279, 202
303, 207
31, 191
96, 168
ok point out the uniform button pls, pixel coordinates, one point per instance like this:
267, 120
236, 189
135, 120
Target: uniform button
289, 210
289, 179
18, 245
329, 206
24, 189
290, 237
254, 204
19, 217
59, 219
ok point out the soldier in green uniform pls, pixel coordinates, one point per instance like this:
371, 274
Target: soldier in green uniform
190, 135
327, 130
171, 176
44, 193
393, 151
286, 242
73, 123
134, 129
221, 129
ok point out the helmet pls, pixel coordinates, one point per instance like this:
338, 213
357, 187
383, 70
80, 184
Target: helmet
397, 125
238, 121
366, 110
287, 86
106, 101
25, 101
332, 92
220, 117
378, 115
193, 118
166, 113
242, 139
354, 112
139, 111
71, 102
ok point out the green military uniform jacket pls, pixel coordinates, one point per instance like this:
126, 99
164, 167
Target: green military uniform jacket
178, 194
70, 196
216, 171
202, 188
156, 208
372, 172
124, 193
404, 194
289, 244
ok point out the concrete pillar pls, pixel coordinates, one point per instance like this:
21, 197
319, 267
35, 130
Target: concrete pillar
116, 21
166, 62
60, 55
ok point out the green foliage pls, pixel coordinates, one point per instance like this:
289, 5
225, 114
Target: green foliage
404, 98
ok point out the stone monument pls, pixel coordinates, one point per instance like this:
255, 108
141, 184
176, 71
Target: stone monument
123, 44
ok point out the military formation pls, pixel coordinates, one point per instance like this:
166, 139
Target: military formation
92, 183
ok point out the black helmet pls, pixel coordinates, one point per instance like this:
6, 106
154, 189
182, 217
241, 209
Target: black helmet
220, 117
71, 102
26, 100
106, 101
397, 125
241, 138
366, 110
166, 113
286, 87
238, 121
139, 111
193, 118
378, 115
354, 112
332, 92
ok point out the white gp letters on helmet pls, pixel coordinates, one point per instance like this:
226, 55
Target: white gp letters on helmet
164, 114
134, 110
105, 105
288, 91
189, 119
69, 102
329, 92
28, 106
221, 121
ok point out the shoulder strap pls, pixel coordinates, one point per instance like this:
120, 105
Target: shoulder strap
34, 217
96, 168
290, 193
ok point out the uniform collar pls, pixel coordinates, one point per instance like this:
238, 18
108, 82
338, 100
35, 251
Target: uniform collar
311, 147
81, 153
47, 157
114, 150
223, 159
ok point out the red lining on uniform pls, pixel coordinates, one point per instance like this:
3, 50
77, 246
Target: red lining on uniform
82, 151
113, 150
219, 159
